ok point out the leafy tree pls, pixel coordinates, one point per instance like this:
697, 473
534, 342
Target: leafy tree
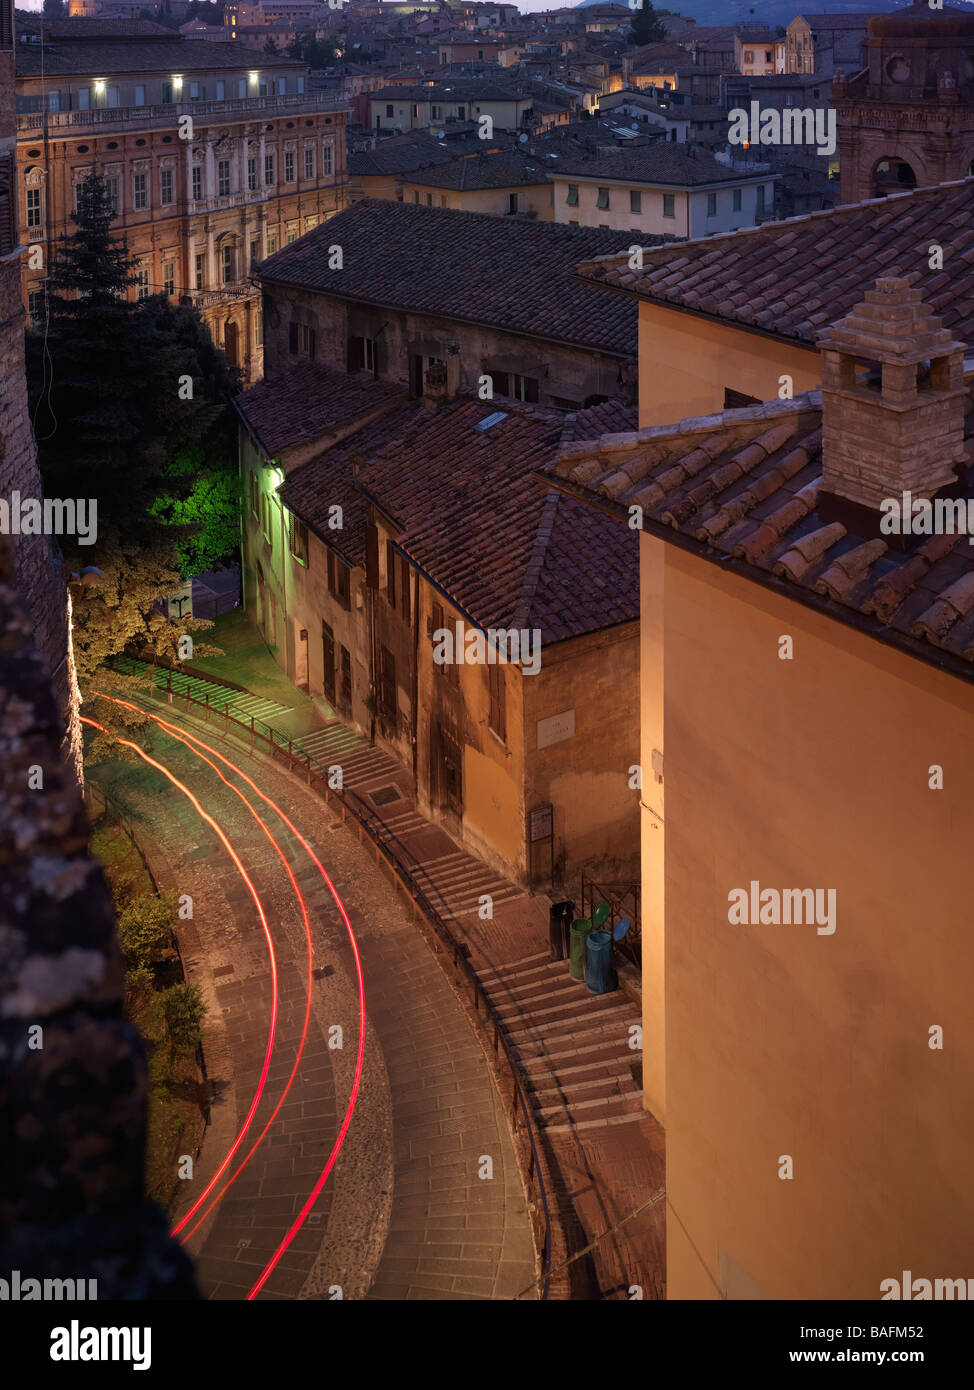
145, 929
54, 9
178, 1013
646, 26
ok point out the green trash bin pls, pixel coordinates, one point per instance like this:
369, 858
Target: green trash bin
579, 939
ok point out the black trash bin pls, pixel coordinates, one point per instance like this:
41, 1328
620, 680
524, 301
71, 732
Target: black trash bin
560, 917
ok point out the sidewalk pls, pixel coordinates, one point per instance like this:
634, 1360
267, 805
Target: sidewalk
575, 1049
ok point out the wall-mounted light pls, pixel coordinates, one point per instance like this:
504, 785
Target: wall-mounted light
276, 476
253, 78
99, 87
177, 83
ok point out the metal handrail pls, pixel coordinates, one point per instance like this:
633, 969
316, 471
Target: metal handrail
387, 845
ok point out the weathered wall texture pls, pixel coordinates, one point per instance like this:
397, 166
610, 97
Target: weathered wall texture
72, 1071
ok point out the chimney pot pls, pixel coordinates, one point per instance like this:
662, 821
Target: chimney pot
905, 431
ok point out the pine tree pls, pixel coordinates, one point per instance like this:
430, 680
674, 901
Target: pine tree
646, 26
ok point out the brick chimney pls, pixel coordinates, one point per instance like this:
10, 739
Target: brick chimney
901, 428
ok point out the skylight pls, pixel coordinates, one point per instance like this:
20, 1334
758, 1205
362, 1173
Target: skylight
489, 421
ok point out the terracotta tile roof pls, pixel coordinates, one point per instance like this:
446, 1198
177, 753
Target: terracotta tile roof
510, 273
400, 154
664, 163
741, 489
488, 171
508, 550
792, 278
329, 480
146, 54
611, 417
307, 401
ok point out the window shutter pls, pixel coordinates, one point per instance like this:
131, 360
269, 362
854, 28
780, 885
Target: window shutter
312, 343
391, 574
292, 337
372, 556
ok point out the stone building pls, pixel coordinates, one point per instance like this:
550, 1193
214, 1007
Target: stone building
825, 44
214, 158
374, 522
808, 703
397, 288
907, 120
36, 570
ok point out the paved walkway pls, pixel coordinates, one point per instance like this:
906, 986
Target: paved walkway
575, 1049
404, 1213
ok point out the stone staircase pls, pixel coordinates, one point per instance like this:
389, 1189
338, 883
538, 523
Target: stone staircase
573, 1046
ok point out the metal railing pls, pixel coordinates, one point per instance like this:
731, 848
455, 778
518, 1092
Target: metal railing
404, 867
623, 900
168, 113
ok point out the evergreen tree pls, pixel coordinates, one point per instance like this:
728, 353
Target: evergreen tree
646, 26
130, 401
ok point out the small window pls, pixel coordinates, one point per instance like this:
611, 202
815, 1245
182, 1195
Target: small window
221, 91
166, 186
142, 283
33, 207
139, 96
669, 204
602, 201
299, 540
711, 204
251, 175
140, 192
35, 307
389, 111
197, 182
268, 169
226, 265
223, 178
169, 278
737, 200
309, 161
288, 166
635, 200
292, 230
327, 160
339, 580
760, 198
200, 270
272, 242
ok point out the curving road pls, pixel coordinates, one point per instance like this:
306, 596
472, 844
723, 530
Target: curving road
342, 1159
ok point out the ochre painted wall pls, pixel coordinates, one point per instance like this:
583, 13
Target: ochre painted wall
812, 772
686, 362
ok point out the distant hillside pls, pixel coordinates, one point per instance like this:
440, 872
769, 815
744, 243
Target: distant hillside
775, 12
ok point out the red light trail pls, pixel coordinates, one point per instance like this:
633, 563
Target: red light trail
191, 739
